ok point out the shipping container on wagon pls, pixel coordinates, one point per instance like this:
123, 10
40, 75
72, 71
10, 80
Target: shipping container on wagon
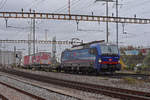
26, 60
41, 58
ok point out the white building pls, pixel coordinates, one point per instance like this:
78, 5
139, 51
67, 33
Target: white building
9, 57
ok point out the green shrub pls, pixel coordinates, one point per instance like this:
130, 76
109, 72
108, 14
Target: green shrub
147, 60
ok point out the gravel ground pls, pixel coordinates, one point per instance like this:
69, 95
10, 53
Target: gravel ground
141, 86
52, 96
13, 94
31, 89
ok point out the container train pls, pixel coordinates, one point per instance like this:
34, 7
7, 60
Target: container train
93, 57
39, 60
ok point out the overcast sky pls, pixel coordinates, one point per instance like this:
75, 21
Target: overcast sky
65, 30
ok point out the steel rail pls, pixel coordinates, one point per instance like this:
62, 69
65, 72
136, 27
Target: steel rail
3, 97
144, 77
35, 85
24, 92
99, 89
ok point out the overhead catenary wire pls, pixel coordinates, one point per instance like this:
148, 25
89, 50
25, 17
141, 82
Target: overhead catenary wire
85, 6
62, 7
37, 3
86, 3
28, 5
34, 4
65, 7
81, 9
3, 3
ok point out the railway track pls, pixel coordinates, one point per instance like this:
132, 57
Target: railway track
21, 91
115, 75
98, 89
120, 76
123, 75
3, 97
49, 89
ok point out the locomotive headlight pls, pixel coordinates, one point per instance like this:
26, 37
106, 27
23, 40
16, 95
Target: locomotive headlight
99, 60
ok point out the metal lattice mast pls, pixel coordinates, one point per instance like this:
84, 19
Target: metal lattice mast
54, 50
117, 22
107, 31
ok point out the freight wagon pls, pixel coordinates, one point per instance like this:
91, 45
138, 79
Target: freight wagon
41, 59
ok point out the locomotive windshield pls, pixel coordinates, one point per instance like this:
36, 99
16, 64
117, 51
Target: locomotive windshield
109, 49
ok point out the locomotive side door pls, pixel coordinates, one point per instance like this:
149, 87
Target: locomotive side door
93, 51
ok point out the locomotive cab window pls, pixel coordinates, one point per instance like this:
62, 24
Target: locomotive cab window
109, 49
93, 51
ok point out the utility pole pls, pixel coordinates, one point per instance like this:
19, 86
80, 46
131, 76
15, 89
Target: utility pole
29, 44
107, 32
6, 22
117, 22
29, 39
123, 28
77, 25
54, 50
8, 59
69, 7
46, 34
34, 37
15, 56
37, 50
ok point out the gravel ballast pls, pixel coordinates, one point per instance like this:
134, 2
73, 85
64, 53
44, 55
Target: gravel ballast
24, 84
31, 89
140, 86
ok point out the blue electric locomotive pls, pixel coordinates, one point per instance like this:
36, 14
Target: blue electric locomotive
91, 57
